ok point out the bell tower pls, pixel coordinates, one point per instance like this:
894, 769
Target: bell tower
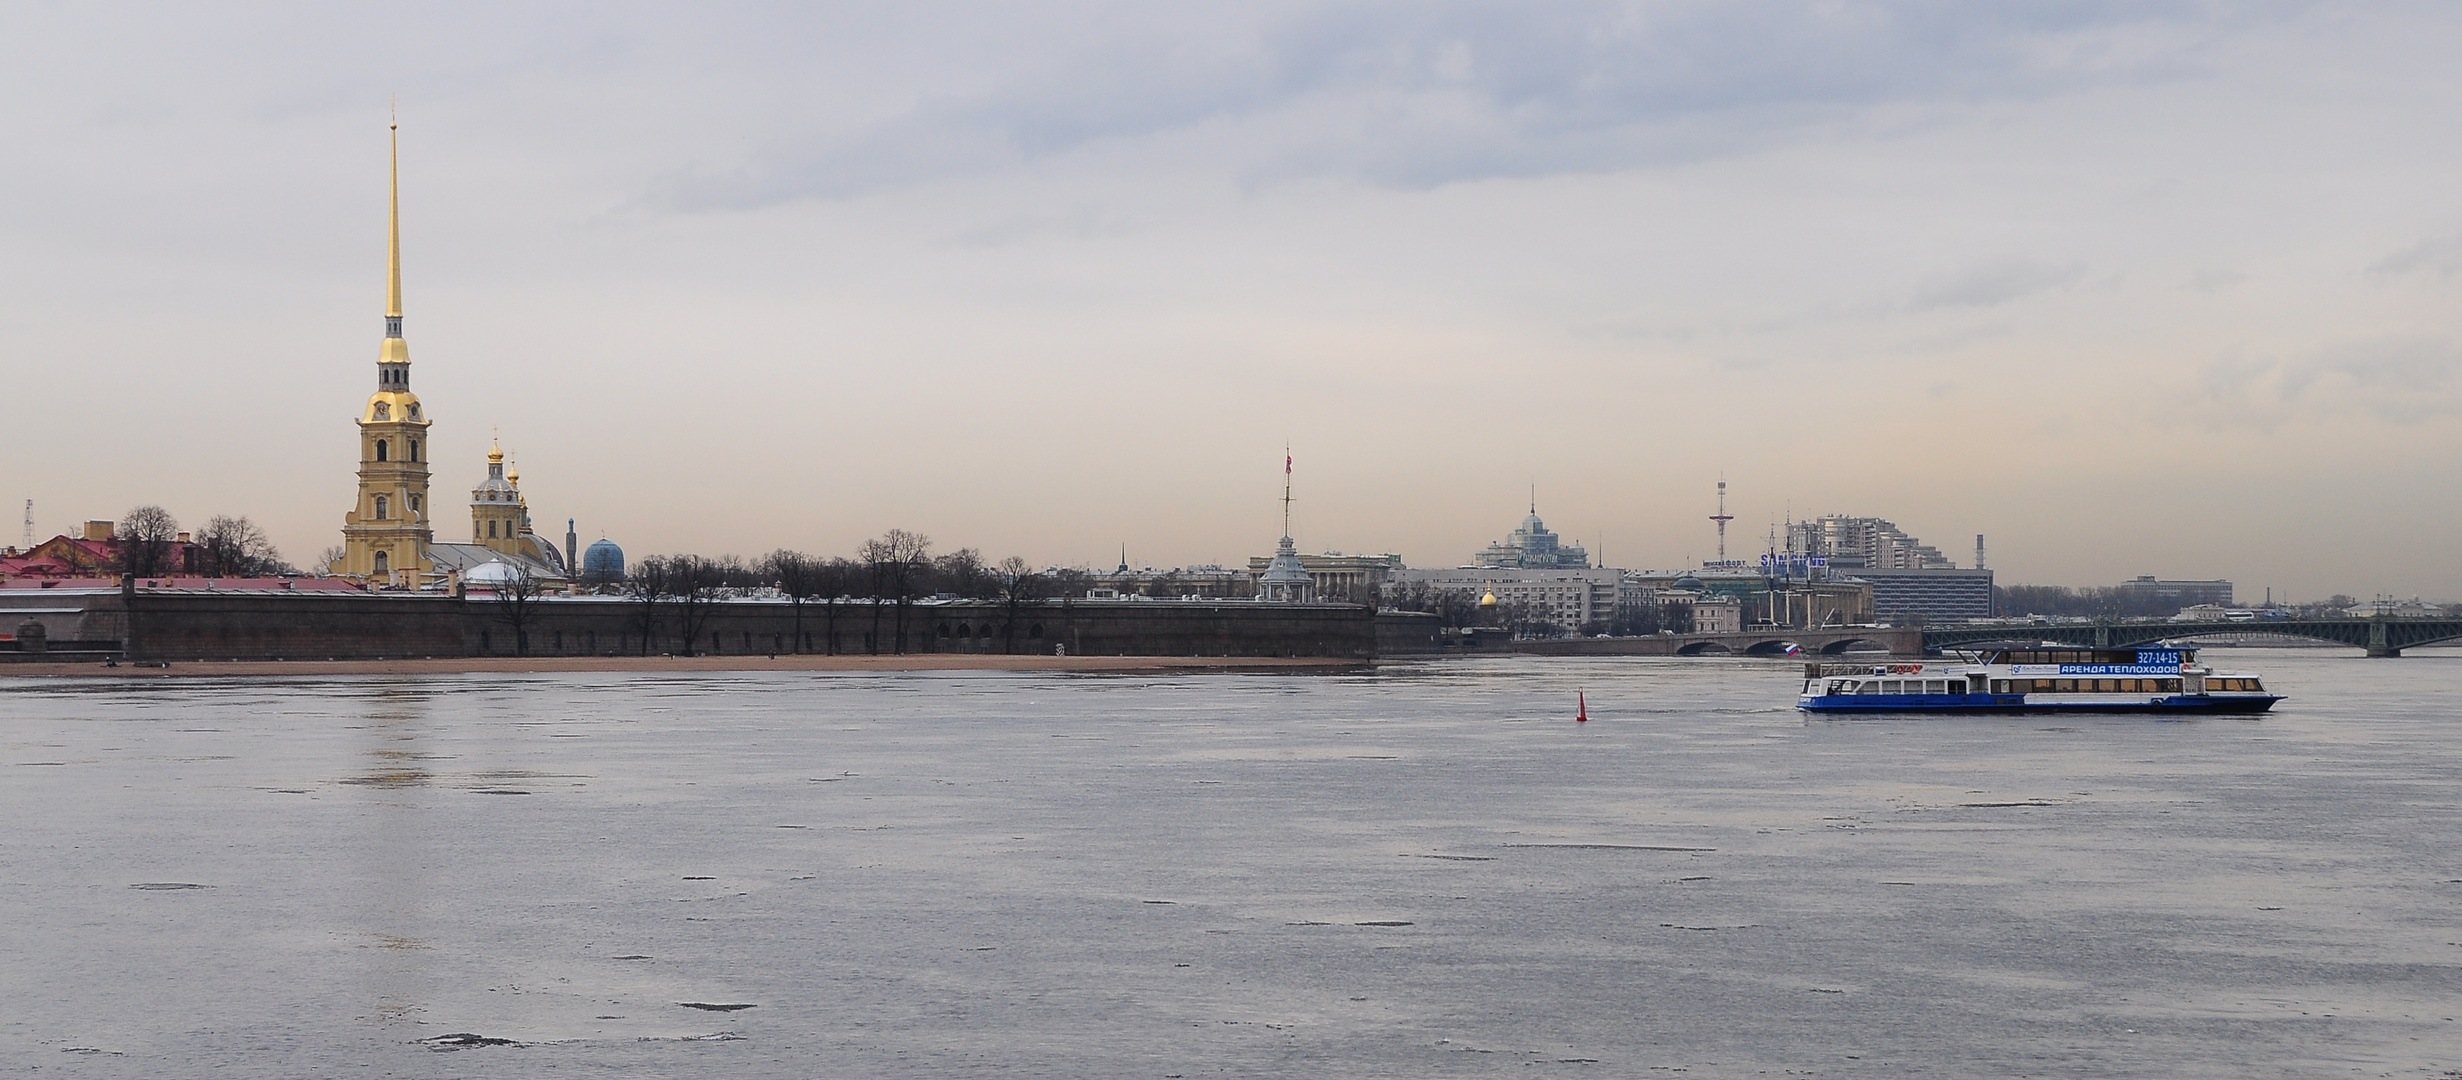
498, 515
385, 537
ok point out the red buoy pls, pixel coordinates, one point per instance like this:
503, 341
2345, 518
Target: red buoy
1581, 713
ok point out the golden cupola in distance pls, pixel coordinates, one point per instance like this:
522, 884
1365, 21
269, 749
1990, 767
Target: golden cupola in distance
386, 536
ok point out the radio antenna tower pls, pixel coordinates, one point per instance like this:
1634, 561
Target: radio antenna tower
1722, 517
28, 542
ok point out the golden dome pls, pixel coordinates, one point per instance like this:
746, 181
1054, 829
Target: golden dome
393, 406
1489, 600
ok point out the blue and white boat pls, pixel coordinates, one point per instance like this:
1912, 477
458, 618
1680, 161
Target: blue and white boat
2038, 679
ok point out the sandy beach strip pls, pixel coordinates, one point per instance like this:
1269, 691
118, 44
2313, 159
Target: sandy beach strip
1115, 665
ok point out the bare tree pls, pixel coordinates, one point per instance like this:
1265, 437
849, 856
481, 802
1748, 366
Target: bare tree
797, 575
326, 559
1019, 586
517, 605
895, 560
694, 586
647, 585
236, 547
144, 541
1454, 608
839, 577
1676, 616
1070, 582
962, 573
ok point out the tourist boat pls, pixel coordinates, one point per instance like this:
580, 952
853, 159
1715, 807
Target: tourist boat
2030, 678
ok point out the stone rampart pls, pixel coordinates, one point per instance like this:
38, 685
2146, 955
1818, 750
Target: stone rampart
169, 625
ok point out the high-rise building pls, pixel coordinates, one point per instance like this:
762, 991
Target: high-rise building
1854, 543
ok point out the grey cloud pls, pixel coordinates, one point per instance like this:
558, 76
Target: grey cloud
2395, 380
2216, 280
2442, 254
1993, 283
1417, 95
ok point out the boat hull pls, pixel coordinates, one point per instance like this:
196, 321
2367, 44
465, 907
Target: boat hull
2018, 703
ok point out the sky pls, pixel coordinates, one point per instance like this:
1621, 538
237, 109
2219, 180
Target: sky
2130, 288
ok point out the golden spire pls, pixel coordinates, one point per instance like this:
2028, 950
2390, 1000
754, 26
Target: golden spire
393, 221
395, 350
495, 451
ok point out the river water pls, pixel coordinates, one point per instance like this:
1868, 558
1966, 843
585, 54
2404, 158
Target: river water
1425, 871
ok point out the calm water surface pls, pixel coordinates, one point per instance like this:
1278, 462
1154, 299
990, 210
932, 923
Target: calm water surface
1426, 871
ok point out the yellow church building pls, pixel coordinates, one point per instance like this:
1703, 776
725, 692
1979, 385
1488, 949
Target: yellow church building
388, 538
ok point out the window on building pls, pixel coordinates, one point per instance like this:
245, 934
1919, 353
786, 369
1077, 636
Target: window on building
414, 504
414, 449
381, 506
491, 530
384, 563
380, 447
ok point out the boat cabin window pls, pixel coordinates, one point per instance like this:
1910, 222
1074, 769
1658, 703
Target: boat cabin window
1868, 686
2236, 685
2099, 686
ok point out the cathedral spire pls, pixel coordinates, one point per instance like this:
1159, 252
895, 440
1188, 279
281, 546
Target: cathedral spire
393, 238
393, 359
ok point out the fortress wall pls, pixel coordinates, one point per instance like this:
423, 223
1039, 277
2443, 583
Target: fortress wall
1084, 628
188, 625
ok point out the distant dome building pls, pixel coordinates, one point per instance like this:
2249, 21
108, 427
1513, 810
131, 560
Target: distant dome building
602, 563
1285, 581
1533, 547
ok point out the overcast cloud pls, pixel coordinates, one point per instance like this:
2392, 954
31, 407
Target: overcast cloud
2132, 288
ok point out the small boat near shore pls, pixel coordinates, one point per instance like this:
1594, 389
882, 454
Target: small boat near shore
2038, 679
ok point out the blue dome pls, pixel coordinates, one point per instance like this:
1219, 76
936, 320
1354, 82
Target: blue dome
603, 561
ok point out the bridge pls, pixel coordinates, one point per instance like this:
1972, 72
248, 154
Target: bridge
1826, 641
2380, 637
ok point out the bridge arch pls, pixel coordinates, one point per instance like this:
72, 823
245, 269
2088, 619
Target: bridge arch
1770, 648
1705, 648
2379, 637
1848, 645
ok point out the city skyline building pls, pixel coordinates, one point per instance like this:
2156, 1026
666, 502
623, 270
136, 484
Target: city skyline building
1852, 543
2147, 589
1531, 546
1570, 598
